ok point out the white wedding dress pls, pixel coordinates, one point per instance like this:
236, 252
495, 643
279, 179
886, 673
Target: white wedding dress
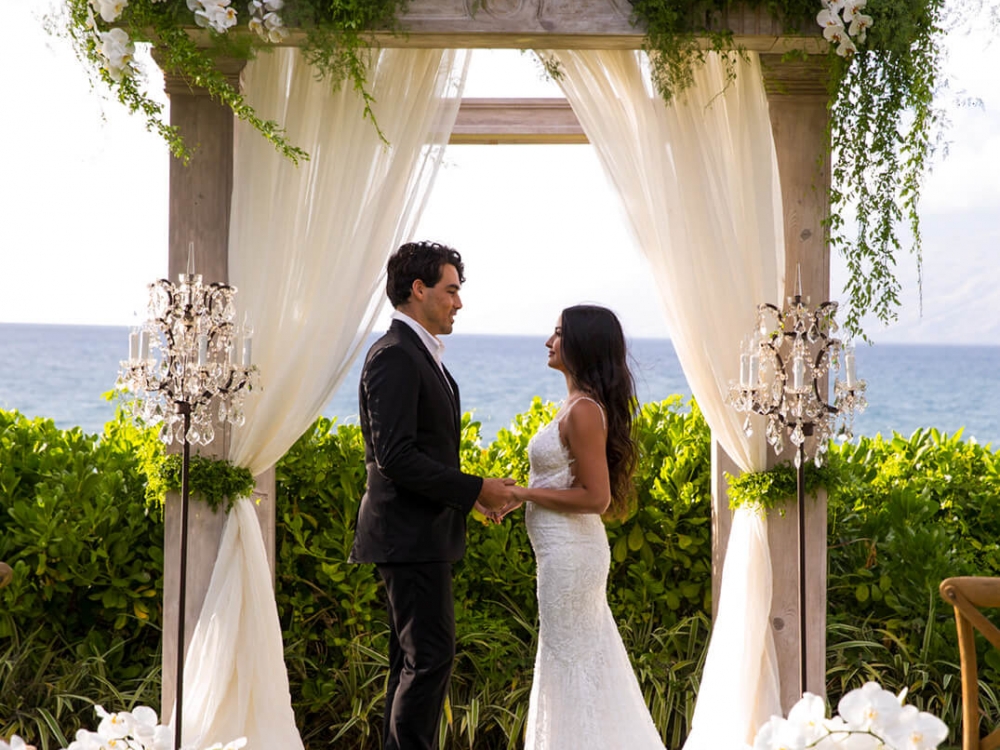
585, 695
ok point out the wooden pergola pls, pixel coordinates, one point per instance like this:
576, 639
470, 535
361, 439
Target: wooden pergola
200, 196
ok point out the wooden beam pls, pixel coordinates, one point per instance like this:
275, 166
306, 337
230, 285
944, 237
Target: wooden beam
495, 121
570, 24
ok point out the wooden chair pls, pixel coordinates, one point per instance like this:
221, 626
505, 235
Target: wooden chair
968, 595
6, 574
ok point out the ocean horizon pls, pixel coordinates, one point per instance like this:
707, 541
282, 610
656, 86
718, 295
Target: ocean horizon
62, 372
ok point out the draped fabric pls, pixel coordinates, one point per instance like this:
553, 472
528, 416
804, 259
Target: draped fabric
307, 251
698, 181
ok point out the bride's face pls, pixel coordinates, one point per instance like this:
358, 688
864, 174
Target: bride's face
554, 345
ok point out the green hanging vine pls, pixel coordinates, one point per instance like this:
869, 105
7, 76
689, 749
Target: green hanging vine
885, 63
336, 41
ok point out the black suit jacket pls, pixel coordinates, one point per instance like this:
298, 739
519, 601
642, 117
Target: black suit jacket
417, 499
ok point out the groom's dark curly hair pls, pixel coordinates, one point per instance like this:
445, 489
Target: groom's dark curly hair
418, 260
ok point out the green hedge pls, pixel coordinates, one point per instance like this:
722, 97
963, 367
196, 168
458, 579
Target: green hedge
81, 622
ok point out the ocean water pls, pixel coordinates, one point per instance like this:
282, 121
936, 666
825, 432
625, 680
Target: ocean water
63, 372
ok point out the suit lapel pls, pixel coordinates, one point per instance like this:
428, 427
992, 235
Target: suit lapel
447, 382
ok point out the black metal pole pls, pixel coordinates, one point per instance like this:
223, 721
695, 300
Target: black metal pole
185, 409
800, 487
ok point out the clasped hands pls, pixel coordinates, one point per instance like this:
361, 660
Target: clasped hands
498, 498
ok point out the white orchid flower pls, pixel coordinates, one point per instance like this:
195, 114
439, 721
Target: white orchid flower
16, 743
869, 707
255, 7
142, 725
780, 734
273, 5
809, 715
109, 10
216, 16
916, 730
114, 726
833, 27
87, 741
118, 51
846, 47
859, 26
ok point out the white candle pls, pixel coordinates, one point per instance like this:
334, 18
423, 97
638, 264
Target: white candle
247, 349
754, 369
744, 370
143, 345
852, 374
234, 355
798, 371
133, 346
202, 350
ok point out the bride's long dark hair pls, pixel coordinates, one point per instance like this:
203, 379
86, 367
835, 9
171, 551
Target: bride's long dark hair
594, 353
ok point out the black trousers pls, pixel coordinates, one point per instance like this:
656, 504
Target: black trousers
421, 611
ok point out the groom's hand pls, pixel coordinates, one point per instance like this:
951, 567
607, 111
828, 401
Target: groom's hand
496, 494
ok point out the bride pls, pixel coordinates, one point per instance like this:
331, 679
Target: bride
584, 694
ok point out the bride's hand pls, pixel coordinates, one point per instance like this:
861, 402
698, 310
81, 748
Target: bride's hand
519, 500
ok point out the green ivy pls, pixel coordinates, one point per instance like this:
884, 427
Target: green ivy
338, 43
775, 487
216, 481
883, 124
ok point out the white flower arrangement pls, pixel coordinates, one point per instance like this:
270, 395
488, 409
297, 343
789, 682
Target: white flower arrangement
844, 24
870, 718
16, 743
219, 16
125, 730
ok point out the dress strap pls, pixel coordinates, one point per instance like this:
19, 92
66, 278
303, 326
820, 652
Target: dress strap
604, 420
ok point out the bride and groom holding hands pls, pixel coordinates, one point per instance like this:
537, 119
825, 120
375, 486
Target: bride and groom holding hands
411, 523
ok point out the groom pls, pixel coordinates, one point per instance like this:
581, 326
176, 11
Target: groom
411, 522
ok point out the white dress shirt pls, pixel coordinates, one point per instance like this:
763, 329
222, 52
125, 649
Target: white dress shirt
434, 345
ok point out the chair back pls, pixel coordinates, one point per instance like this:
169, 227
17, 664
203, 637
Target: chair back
968, 595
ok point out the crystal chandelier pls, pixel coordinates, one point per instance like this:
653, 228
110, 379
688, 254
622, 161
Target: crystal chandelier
188, 364
785, 371
189, 357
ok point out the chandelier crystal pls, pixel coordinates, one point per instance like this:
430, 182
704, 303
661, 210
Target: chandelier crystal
786, 366
189, 355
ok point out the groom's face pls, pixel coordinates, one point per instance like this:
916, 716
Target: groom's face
438, 304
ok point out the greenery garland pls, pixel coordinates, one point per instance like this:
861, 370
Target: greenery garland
336, 44
883, 122
774, 487
216, 481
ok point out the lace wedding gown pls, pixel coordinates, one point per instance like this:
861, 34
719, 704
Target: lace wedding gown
585, 695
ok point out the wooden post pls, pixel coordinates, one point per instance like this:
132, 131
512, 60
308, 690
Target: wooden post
200, 195
797, 99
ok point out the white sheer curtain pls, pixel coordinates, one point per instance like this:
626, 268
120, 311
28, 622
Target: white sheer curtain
699, 184
307, 250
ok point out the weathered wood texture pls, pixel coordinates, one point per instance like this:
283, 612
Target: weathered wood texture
572, 24
797, 98
200, 195
494, 121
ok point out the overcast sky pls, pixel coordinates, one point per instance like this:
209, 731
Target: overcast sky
83, 215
